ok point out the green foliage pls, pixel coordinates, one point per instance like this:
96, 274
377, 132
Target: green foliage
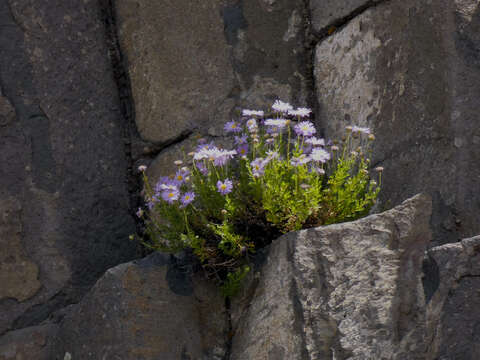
279, 178
232, 283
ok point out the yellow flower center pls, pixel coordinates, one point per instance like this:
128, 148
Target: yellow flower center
171, 195
223, 186
187, 198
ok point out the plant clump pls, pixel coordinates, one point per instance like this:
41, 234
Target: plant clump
278, 177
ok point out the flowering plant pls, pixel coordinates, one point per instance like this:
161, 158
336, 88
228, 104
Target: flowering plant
278, 177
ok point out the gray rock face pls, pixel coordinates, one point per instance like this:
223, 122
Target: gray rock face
326, 13
452, 311
192, 62
409, 70
64, 204
146, 309
344, 291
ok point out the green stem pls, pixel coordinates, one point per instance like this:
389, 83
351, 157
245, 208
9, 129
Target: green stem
347, 142
288, 144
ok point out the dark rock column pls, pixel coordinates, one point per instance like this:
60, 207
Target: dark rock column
192, 64
410, 71
64, 208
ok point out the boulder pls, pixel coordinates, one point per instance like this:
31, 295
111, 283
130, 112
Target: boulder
147, 309
453, 274
351, 290
192, 63
64, 208
409, 71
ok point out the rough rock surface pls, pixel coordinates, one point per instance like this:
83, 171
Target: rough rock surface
190, 72
329, 13
18, 275
349, 290
453, 276
410, 71
33, 343
64, 210
147, 309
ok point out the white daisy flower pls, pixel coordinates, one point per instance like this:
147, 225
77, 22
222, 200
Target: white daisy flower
282, 106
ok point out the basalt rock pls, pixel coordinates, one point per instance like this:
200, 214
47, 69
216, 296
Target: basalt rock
193, 63
64, 204
410, 71
147, 309
453, 275
343, 291
32, 343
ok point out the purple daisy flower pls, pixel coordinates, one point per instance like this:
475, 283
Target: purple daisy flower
151, 203
301, 112
300, 160
242, 150
305, 128
187, 198
170, 195
274, 130
239, 140
258, 166
224, 187
363, 130
278, 123
272, 155
307, 148
181, 174
281, 106
232, 126
318, 170
315, 141
318, 154
202, 168
247, 112
165, 183
223, 157
252, 125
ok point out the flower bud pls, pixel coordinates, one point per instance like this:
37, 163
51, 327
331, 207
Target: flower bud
371, 137
178, 162
142, 168
349, 128
379, 169
335, 148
